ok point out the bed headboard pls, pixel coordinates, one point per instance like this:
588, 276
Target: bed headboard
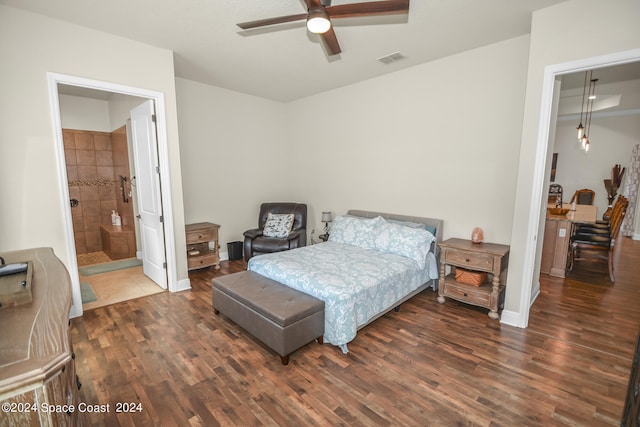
437, 223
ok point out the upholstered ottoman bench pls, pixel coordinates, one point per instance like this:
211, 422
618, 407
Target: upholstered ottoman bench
283, 318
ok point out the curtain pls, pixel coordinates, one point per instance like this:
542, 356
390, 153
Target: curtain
631, 191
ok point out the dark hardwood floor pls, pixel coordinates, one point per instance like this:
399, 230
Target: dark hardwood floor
428, 364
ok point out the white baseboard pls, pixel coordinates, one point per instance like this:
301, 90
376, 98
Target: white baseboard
511, 318
534, 293
224, 256
635, 236
183, 285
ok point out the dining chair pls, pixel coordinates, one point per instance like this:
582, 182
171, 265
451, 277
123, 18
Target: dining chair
583, 196
555, 190
597, 241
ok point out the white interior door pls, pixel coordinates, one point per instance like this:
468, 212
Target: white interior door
147, 185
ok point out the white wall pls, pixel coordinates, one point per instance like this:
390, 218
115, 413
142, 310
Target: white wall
556, 39
78, 112
438, 140
31, 45
84, 113
234, 153
120, 107
614, 132
612, 139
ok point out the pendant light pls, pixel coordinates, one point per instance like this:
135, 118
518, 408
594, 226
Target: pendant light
584, 90
591, 98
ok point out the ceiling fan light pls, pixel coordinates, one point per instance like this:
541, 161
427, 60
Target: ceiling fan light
318, 21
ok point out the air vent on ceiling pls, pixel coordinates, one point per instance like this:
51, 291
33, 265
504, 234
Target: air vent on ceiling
392, 57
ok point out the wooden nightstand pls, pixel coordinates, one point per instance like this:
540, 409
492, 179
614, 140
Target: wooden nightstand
483, 257
199, 252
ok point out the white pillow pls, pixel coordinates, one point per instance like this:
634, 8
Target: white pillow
412, 243
278, 225
354, 231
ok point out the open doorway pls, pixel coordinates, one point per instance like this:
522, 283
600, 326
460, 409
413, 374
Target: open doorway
102, 185
126, 99
612, 129
542, 169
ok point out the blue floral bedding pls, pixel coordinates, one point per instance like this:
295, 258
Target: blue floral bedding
355, 283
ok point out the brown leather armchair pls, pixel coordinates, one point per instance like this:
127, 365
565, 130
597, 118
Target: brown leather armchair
254, 241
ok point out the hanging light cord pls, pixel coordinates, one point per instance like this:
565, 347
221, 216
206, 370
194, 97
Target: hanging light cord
584, 89
592, 92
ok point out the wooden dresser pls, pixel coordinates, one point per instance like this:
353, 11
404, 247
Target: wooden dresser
480, 257
202, 245
38, 382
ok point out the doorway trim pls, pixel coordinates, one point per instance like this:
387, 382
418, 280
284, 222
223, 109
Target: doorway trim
163, 158
551, 72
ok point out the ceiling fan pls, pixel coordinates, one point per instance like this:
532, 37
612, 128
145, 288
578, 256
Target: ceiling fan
320, 12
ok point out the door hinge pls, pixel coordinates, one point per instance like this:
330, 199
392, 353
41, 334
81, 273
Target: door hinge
157, 169
161, 218
164, 265
153, 118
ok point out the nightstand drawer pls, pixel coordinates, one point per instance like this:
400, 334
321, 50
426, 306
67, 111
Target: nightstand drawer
201, 236
200, 261
470, 295
472, 260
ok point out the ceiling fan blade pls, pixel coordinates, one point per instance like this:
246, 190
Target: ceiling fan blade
313, 4
387, 7
331, 42
272, 21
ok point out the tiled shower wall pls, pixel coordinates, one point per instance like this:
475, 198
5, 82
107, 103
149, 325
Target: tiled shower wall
120, 150
94, 183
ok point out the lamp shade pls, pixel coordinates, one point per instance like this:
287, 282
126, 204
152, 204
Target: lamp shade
326, 217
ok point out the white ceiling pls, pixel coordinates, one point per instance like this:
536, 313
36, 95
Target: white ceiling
617, 88
285, 62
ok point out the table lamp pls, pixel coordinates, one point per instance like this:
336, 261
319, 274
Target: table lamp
326, 218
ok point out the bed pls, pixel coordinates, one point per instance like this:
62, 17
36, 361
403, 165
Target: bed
371, 263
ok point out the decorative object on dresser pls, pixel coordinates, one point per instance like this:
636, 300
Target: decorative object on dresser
477, 235
202, 245
489, 258
37, 362
15, 283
